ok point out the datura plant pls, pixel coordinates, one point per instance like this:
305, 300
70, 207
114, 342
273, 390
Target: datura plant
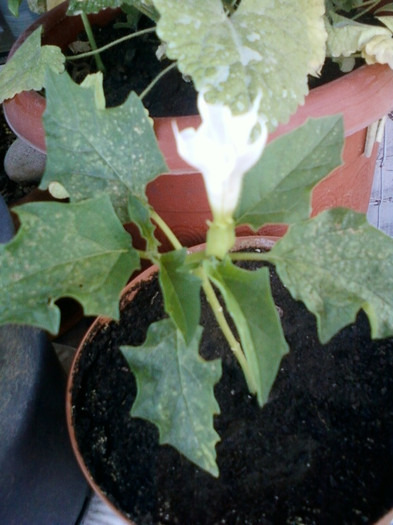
336, 263
249, 61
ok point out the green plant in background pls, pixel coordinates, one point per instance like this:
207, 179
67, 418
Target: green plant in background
103, 159
237, 48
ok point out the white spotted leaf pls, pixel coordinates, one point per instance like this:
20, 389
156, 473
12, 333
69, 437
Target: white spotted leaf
26, 68
268, 47
175, 392
92, 262
92, 149
337, 264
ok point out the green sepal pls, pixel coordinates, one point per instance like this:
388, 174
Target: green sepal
175, 392
337, 264
247, 296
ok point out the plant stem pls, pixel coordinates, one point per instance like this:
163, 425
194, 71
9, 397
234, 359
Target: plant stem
226, 330
371, 5
253, 256
93, 45
111, 44
155, 80
166, 230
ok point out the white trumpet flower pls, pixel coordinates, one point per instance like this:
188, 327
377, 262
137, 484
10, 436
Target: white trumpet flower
222, 149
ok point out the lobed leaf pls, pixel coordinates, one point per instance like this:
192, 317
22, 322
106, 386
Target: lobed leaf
336, 263
278, 188
74, 250
26, 68
175, 392
93, 150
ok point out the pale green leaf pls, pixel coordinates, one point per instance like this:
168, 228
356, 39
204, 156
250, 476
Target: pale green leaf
181, 291
94, 6
278, 188
264, 47
74, 250
336, 263
76, 7
26, 68
175, 392
248, 298
91, 150
346, 36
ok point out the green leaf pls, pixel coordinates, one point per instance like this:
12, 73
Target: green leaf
13, 6
26, 68
346, 36
248, 298
76, 7
175, 392
94, 6
278, 188
138, 212
265, 46
74, 250
93, 150
336, 263
181, 290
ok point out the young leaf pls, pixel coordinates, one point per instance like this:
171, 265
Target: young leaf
75, 250
336, 263
248, 298
263, 47
278, 188
175, 392
93, 150
138, 212
26, 68
181, 290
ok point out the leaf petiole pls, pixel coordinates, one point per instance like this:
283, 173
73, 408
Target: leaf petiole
226, 329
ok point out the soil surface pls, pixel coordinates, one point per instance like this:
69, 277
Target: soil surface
320, 452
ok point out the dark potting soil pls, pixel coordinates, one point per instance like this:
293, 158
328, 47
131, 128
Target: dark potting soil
132, 65
320, 452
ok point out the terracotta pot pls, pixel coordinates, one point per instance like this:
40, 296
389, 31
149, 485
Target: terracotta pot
179, 197
100, 324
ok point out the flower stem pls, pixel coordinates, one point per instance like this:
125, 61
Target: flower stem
155, 80
226, 330
111, 44
92, 42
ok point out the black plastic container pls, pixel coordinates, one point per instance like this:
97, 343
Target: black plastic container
40, 481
